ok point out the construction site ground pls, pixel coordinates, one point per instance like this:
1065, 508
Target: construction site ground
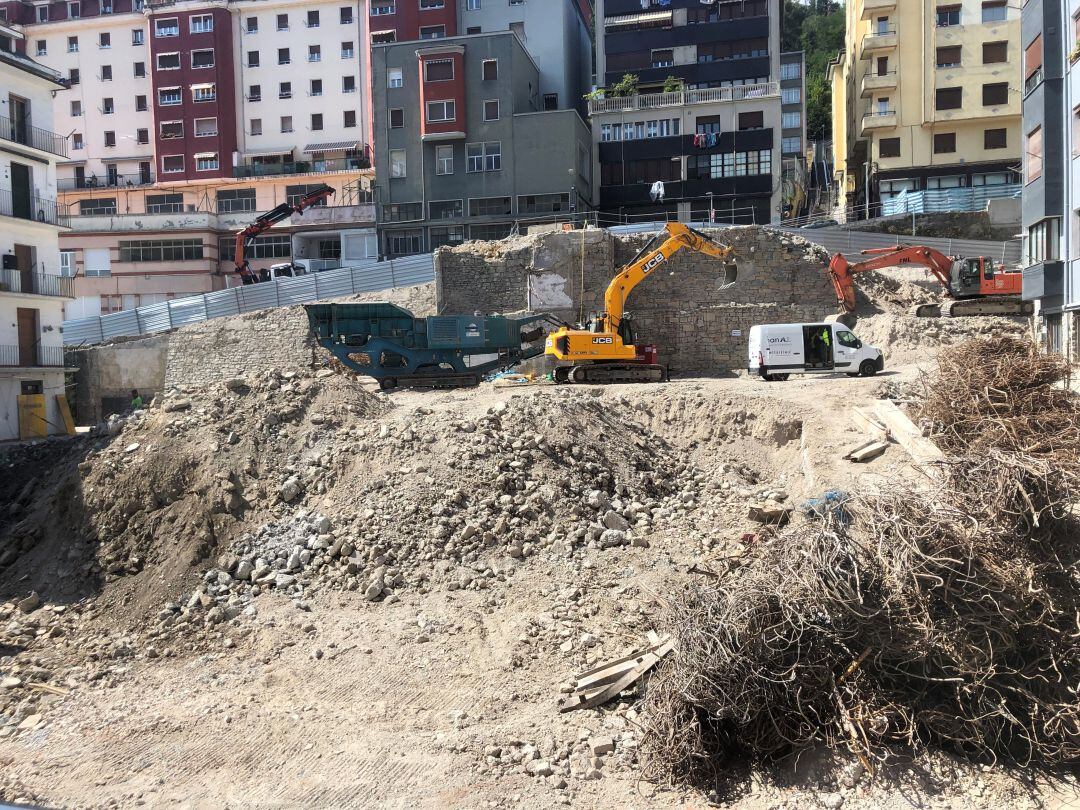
425, 668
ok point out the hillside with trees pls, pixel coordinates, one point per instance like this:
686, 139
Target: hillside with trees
817, 28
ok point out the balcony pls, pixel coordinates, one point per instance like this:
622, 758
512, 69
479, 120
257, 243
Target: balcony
30, 283
882, 119
1045, 280
133, 180
19, 131
876, 82
31, 356
302, 167
33, 208
650, 101
877, 8
878, 41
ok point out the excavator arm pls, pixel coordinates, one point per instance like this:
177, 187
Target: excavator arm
676, 237
265, 222
842, 272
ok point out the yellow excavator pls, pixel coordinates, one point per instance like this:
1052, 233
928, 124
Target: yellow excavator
605, 349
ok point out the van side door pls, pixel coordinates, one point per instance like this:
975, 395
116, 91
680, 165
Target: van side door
847, 348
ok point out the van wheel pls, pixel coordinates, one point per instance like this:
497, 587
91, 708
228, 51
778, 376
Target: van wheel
781, 377
868, 368
852, 373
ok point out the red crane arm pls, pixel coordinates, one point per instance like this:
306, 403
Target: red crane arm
265, 222
842, 272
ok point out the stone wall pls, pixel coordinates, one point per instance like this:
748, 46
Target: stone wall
107, 374
698, 327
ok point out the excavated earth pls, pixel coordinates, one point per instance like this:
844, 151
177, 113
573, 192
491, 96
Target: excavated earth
296, 591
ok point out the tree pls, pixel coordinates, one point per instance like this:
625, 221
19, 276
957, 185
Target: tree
817, 29
673, 84
626, 86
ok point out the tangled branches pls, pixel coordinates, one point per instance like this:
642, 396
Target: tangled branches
950, 619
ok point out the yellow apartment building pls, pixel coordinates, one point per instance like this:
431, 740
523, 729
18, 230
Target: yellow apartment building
926, 95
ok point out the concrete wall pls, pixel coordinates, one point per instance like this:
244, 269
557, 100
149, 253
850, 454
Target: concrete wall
109, 373
698, 327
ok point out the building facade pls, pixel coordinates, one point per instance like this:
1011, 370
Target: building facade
1051, 198
32, 290
926, 97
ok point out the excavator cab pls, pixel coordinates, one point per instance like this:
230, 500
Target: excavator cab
967, 276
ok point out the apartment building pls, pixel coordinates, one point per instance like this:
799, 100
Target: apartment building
1050, 38
216, 111
710, 147
926, 96
32, 290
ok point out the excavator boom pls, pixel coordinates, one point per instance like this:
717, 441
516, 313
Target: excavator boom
265, 222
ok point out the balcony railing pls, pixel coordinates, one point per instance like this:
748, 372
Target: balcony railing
133, 180
302, 167
31, 356
710, 95
31, 283
19, 131
33, 208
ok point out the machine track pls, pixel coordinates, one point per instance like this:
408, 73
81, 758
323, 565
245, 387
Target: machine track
601, 373
442, 381
974, 307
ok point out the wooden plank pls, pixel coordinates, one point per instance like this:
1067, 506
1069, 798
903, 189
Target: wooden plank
860, 446
868, 423
907, 434
65, 414
869, 453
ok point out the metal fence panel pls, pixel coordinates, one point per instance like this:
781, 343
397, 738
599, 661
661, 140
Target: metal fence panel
221, 304
333, 284
152, 318
296, 290
83, 330
120, 324
252, 297
186, 310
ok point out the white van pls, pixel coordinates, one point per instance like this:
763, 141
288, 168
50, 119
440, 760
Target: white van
778, 350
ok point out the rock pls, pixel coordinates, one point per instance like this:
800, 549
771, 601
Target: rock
30, 603
237, 385
322, 524
177, 405
601, 745
244, 570
768, 512
612, 537
31, 721
284, 580
599, 500
10, 683
833, 801
613, 520
290, 489
540, 767
131, 448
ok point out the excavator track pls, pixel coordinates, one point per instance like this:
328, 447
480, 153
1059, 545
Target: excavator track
926, 310
968, 307
606, 373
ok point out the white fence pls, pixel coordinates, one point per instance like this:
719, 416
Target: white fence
366, 277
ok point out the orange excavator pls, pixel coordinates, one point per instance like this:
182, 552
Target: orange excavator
975, 286
265, 222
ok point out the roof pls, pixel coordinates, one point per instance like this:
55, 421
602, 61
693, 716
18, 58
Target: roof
331, 146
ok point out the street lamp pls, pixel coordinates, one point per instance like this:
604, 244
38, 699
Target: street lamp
712, 211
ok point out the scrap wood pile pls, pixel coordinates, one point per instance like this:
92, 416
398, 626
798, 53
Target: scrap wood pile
902, 620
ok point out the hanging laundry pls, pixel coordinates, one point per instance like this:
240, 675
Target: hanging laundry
699, 141
657, 191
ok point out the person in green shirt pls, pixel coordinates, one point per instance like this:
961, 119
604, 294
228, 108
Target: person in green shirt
136, 400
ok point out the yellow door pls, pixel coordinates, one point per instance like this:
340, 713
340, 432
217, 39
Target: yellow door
32, 422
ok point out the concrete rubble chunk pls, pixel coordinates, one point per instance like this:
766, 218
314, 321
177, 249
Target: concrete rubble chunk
30, 603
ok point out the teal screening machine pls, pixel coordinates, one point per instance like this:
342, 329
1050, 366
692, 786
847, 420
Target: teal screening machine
387, 342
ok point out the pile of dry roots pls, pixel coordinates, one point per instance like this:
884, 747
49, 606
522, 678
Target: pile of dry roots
949, 617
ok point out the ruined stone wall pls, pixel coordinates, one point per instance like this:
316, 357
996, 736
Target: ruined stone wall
698, 327
107, 374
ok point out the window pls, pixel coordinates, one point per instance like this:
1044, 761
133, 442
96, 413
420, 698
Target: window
439, 70
172, 164
73, 44
1033, 155
791, 95
169, 27
140, 70
403, 243
381, 8
286, 123
104, 40
438, 111
446, 209
1033, 59
315, 87
995, 138
107, 106
254, 92
101, 206
76, 109
948, 15
168, 61
201, 23
235, 200
164, 203
393, 78
267, 246
472, 5
349, 119
348, 84
106, 73
110, 138
397, 162
140, 104
41, 49
791, 120
206, 162
42, 14
733, 49
490, 70
995, 52
74, 10
314, 53
432, 31
76, 141
493, 156
994, 11
491, 110
316, 121
283, 56
472, 29
73, 76
312, 20
944, 142
397, 118
252, 26
444, 159
253, 59
142, 136
949, 98
995, 94
791, 145
662, 57
171, 129
474, 157
347, 50
345, 15
255, 126
1076, 133
168, 96
1042, 241
205, 127
751, 120
889, 147
949, 56
203, 58
489, 207
203, 92
424, 4
67, 263
293, 194
543, 203
162, 250
282, 22
448, 236
790, 70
